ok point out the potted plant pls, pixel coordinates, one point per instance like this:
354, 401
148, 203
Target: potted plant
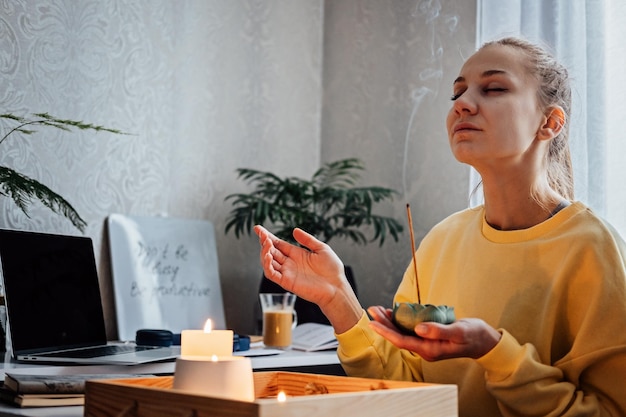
329, 205
22, 189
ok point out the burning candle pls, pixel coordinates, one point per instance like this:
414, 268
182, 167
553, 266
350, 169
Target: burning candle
207, 365
207, 342
216, 376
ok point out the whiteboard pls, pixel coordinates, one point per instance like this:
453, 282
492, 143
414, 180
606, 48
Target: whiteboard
165, 274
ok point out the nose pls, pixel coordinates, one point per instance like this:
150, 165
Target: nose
465, 103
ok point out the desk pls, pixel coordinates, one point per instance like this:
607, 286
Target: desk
290, 360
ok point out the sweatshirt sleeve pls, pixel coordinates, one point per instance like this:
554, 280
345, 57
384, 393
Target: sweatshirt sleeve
524, 386
364, 353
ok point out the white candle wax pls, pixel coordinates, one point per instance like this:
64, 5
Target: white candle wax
206, 342
221, 377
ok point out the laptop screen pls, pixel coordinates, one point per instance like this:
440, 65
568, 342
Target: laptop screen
51, 289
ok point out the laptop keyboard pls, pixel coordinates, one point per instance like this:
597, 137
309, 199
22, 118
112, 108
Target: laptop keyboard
95, 352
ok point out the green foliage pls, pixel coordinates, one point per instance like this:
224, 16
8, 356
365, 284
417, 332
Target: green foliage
24, 190
328, 205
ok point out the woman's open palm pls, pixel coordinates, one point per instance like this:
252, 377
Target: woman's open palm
313, 271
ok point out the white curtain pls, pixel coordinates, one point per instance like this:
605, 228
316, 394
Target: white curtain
587, 36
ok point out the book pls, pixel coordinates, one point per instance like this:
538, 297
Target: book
311, 337
40, 400
53, 384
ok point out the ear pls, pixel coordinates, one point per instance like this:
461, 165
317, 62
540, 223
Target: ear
552, 123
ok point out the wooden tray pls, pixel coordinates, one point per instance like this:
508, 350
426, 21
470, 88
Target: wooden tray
154, 397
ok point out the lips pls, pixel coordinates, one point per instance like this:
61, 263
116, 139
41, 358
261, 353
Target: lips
464, 126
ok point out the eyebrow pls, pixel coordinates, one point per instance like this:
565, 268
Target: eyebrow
485, 74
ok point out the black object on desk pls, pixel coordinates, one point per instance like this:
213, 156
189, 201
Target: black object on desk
154, 337
160, 337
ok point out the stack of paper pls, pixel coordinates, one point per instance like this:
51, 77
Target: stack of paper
312, 337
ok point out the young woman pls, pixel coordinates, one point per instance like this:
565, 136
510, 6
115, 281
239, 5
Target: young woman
538, 282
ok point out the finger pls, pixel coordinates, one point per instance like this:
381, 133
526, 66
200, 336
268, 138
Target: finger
429, 350
276, 266
277, 254
391, 334
307, 240
277, 245
272, 268
261, 232
384, 316
437, 331
265, 234
379, 314
266, 261
376, 312
266, 248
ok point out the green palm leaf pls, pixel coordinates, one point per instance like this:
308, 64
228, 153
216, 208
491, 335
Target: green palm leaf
24, 190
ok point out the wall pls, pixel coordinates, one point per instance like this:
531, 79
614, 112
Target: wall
207, 86
388, 73
204, 86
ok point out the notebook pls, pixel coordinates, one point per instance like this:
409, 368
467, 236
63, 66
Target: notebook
54, 309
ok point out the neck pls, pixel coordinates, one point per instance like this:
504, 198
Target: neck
515, 209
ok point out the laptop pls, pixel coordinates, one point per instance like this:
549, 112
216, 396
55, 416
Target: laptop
54, 309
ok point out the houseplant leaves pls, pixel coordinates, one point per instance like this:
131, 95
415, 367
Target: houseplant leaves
24, 190
328, 205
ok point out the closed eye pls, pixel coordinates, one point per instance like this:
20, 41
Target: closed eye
495, 90
456, 96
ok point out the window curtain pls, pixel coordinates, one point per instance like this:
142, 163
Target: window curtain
587, 36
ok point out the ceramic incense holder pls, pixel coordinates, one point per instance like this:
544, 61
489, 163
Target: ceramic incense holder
407, 315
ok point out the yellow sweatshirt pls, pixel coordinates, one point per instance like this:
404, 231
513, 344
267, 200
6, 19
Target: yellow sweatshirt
556, 292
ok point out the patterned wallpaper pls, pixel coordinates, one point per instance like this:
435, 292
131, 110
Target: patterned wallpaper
388, 73
207, 86
203, 86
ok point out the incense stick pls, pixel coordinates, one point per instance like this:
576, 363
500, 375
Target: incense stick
417, 283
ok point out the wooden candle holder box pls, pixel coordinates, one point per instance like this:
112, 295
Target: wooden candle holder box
347, 396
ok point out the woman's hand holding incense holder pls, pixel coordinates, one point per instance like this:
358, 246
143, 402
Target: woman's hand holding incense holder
406, 316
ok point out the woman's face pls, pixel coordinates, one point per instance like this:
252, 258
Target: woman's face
495, 115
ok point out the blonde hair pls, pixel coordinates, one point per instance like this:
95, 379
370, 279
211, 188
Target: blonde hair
554, 90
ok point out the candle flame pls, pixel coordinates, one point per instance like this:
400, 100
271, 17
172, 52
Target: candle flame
282, 397
214, 358
208, 326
